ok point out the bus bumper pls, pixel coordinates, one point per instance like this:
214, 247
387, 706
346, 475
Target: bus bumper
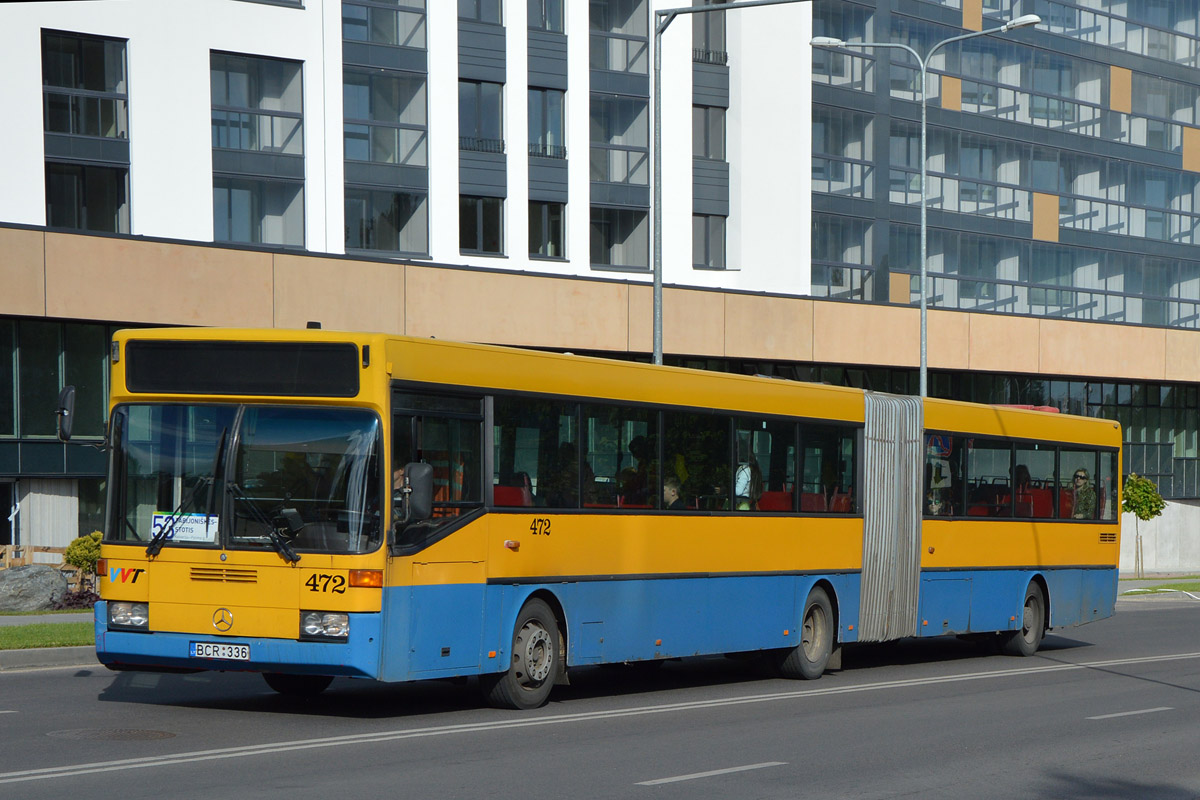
358, 657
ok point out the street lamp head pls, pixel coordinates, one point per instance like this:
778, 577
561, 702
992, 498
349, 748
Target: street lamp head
827, 41
1021, 22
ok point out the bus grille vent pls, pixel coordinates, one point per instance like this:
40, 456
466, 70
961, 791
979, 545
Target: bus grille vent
224, 575
1108, 537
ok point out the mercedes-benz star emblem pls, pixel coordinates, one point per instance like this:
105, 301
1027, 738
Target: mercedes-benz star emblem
222, 619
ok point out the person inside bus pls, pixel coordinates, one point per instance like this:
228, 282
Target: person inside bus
1084, 505
635, 480
673, 494
1022, 483
748, 485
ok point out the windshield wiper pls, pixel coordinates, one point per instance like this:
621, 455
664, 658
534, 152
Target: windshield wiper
164, 533
168, 528
287, 517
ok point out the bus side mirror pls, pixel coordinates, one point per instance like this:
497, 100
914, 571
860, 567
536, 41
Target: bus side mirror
65, 412
418, 480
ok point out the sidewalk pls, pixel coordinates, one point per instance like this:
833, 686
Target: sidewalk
48, 656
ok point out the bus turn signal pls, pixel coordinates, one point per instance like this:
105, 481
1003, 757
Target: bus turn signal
367, 578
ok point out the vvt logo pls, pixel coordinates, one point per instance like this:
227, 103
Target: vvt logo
124, 574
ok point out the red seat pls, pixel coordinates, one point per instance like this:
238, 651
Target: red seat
512, 496
775, 501
812, 501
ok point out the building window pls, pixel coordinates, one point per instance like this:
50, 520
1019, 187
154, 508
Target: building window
257, 104
256, 211
620, 140
480, 10
708, 36
380, 22
546, 15
546, 230
620, 238
619, 38
546, 138
708, 132
708, 241
480, 225
480, 116
385, 117
87, 198
84, 85
395, 222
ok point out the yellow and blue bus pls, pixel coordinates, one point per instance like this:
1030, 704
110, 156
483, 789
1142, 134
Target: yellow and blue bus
310, 504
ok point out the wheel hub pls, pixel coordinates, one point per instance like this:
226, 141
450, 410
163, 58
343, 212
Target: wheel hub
536, 653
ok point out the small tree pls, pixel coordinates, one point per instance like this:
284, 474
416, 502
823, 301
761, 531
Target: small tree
83, 553
1140, 497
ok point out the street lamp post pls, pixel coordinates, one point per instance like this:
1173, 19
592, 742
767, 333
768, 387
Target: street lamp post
828, 41
662, 20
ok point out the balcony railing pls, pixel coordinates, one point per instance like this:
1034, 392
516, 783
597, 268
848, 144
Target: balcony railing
479, 145
702, 56
547, 150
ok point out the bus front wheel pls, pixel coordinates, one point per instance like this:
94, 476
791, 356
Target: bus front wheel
809, 659
535, 661
297, 685
1027, 640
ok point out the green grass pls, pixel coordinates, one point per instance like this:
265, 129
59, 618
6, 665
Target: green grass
43, 613
47, 634
1175, 578
1185, 586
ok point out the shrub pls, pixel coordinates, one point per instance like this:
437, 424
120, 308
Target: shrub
1140, 497
83, 599
83, 553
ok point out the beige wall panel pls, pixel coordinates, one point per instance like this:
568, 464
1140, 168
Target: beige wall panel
1002, 343
22, 272
951, 93
1181, 361
972, 15
866, 334
1080, 348
900, 288
693, 322
1191, 149
94, 277
768, 327
1045, 217
1120, 89
515, 309
339, 293
949, 336
641, 318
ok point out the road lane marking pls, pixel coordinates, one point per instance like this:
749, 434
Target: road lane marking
1134, 713
7, 711
508, 724
711, 773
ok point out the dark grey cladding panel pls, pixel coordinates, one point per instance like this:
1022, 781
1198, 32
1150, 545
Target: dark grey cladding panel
548, 179
87, 148
484, 174
710, 85
385, 57
548, 60
86, 459
388, 176
267, 165
481, 52
620, 194
620, 83
43, 458
710, 187
10, 458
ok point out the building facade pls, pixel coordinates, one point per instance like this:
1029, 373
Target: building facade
482, 171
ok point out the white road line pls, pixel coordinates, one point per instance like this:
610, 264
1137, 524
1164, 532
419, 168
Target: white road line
7, 711
1133, 713
529, 721
711, 773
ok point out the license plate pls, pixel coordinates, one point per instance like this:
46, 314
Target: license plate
229, 652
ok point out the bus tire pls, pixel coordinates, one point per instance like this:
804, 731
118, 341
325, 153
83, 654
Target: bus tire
536, 661
297, 685
1027, 640
809, 659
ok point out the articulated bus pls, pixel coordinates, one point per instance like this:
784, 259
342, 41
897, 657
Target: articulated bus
312, 504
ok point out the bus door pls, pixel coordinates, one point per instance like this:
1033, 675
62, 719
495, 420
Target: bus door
441, 560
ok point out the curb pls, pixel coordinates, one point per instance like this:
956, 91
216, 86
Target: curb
48, 657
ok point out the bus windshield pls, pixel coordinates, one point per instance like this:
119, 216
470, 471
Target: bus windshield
241, 477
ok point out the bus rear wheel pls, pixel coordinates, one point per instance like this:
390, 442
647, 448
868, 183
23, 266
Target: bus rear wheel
809, 659
536, 661
1027, 640
297, 685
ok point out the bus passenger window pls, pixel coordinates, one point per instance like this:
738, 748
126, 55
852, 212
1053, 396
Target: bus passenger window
765, 474
620, 455
696, 454
989, 478
1033, 479
943, 475
1108, 496
536, 453
1077, 487
829, 468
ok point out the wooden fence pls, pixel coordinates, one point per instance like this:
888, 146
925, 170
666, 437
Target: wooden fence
9, 558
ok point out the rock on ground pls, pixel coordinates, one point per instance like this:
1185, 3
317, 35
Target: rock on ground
31, 588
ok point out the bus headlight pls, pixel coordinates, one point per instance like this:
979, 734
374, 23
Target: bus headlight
324, 625
129, 615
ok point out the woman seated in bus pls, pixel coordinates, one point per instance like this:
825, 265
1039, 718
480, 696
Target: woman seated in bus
748, 485
1084, 505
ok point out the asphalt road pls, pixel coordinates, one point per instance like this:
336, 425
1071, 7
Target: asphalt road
1107, 710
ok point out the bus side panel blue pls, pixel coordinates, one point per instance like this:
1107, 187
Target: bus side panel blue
357, 657
434, 631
